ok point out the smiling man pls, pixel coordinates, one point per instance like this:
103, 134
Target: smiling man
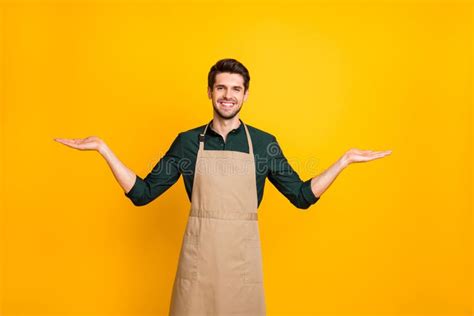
227, 92
224, 164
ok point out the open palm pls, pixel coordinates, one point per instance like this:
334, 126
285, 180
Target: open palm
88, 143
358, 155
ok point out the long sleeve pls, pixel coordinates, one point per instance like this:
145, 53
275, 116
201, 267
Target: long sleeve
163, 175
286, 180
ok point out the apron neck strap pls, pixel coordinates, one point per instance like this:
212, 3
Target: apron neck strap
202, 137
249, 140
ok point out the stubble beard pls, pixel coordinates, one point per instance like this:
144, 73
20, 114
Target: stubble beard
226, 116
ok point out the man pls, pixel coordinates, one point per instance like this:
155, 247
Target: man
224, 166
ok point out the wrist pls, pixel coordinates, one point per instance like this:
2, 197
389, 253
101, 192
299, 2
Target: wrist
102, 148
344, 161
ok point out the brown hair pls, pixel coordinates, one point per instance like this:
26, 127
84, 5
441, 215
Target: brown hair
228, 65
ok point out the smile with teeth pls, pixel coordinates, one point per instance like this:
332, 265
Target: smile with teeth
227, 104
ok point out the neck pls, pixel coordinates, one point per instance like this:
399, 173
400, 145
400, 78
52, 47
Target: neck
223, 126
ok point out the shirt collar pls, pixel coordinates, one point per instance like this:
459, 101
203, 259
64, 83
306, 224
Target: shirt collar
237, 130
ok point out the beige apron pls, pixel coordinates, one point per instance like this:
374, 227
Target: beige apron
220, 263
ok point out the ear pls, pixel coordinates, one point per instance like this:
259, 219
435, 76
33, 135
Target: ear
209, 93
246, 94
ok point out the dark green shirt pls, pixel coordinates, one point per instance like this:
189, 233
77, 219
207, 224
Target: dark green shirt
180, 159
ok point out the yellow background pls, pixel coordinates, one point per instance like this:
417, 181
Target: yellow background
389, 237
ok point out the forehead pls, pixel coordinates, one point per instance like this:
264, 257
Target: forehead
229, 79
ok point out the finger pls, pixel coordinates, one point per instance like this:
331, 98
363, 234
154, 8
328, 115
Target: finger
368, 153
58, 139
371, 152
378, 153
385, 152
61, 140
68, 142
371, 156
379, 156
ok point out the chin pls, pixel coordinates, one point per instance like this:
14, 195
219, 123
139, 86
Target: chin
226, 115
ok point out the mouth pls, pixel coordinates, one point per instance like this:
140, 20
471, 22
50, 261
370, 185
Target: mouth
226, 104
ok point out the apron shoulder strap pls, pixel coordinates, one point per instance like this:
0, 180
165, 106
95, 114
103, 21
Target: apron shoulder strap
202, 137
249, 140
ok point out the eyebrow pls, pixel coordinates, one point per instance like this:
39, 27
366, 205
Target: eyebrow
221, 85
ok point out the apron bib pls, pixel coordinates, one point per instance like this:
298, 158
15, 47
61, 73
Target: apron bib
220, 263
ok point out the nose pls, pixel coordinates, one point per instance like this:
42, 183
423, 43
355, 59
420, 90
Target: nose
228, 94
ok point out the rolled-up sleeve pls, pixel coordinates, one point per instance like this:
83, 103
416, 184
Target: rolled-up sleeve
163, 175
286, 180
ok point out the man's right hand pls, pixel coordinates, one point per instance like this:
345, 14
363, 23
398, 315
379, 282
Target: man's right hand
88, 143
125, 177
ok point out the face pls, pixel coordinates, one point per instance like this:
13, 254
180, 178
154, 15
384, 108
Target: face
228, 94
